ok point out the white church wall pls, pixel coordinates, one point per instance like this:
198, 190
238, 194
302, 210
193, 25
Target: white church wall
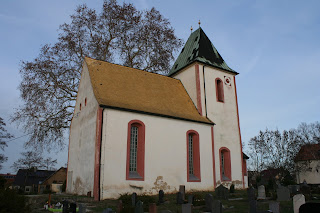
224, 115
80, 174
165, 155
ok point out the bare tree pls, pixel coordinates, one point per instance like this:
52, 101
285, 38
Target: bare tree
119, 33
29, 160
272, 149
4, 135
49, 163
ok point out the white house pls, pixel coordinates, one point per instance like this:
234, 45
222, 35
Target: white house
135, 131
307, 164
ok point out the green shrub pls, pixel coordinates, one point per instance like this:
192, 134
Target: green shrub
12, 202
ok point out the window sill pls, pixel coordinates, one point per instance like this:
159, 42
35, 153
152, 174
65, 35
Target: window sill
135, 176
193, 178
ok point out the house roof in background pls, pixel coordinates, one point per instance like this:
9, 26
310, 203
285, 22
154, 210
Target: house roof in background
131, 89
308, 152
34, 177
199, 48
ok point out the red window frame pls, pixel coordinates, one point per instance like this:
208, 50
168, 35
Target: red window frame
227, 164
219, 90
196, 177
140, 151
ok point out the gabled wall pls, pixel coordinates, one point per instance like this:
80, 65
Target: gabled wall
80, 176
309, 172
200, 83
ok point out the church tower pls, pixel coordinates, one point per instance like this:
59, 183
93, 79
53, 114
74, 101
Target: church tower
211, 84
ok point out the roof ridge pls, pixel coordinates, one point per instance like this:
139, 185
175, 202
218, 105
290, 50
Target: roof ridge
136, 69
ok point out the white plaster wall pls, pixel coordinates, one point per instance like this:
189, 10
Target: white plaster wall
82, 139
224, 115
188, 77
165, 155
311, 176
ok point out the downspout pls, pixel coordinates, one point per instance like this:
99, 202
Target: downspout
97, 166
204, 88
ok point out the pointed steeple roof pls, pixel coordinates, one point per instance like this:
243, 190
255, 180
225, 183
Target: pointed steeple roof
199, 48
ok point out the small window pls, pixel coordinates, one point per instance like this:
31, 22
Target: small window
135, 150
219, 90
225, 164
193, 157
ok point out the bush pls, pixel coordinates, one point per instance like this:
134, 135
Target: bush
12, 202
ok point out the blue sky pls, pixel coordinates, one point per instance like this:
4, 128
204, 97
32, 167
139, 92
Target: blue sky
274, 45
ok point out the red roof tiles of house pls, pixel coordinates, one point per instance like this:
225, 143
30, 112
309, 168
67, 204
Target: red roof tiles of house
308, 152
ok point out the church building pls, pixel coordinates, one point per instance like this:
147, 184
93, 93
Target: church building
135, 131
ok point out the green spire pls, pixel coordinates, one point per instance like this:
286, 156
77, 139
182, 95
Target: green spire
199, 48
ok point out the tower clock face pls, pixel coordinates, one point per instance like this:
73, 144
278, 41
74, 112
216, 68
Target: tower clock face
227, 80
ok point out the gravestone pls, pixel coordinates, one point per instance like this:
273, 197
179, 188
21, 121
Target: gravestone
182, 189
222, 192
139, 207
283, 194
209, 201
65, 208
134, 199
310, 208
179, 198
161, 196
274, 207
152, 208
119, 206
216, 207
190, 199
73, 208
253, 206
298, 200
186, 208
251, 193
261, 193
82, 208
108, 210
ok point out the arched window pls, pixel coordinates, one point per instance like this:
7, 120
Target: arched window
135, 150
225, 164
219, 90
193, 157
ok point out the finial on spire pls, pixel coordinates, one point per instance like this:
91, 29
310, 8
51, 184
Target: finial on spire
191, 28
199, 23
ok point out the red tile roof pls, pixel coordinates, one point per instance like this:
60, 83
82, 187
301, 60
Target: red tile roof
308, 152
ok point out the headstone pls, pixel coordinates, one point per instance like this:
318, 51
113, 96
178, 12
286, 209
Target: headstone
274, 207
119, 206
298, 200
65, 208
82, 208
310, 208
179, 198
152, 208
283, 194
190, 199
253, 206
139, 207
251, 193
161, 196
187, 208
134, 199
73, 208
209, 201
222, 192
261, 193
182, 189
216, 207
108, 210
